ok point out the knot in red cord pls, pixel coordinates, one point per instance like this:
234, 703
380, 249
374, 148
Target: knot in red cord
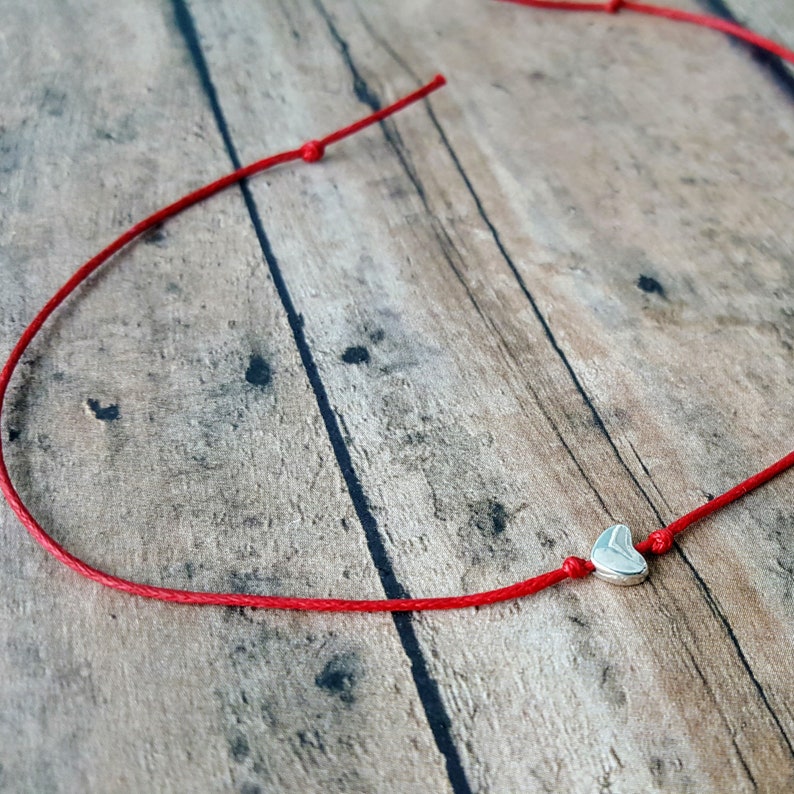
575, 568
312, 151
613, 6
661, 541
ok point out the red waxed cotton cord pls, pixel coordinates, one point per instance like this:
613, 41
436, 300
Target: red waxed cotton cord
677, 15
573, 567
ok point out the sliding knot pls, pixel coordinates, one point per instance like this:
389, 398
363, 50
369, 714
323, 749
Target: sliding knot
312, 151
613, 6
661, 541
575, 568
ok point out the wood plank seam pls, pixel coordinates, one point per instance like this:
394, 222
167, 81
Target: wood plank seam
427, 688
780, 71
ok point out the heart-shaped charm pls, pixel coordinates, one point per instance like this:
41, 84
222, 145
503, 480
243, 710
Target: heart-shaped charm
615, 558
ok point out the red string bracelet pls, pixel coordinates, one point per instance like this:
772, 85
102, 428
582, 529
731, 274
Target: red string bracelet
675, 14
658, 542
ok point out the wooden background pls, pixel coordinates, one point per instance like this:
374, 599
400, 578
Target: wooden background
558, 295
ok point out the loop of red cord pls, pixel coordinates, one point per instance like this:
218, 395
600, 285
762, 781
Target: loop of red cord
658, 542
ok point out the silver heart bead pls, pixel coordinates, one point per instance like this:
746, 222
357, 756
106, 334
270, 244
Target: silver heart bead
615, 558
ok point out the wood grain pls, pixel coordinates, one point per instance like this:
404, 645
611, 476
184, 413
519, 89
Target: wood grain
199, 481
556, 296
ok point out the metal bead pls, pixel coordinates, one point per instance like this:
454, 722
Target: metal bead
615, 558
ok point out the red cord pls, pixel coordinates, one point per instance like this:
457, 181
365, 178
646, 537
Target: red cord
573, 567
677, 15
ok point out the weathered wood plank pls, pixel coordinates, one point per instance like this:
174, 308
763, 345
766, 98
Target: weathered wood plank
164, 429
590, 185
636, 179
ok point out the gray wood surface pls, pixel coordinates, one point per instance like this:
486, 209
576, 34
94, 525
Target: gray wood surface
558, 295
